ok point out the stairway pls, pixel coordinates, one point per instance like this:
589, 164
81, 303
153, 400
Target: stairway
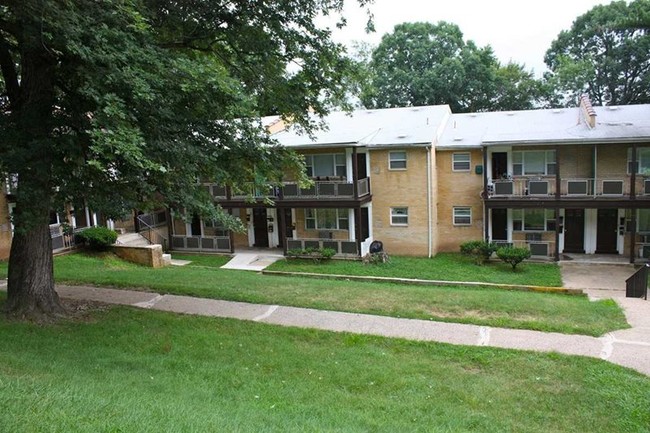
132, 240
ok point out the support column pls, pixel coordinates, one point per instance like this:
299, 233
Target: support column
486, 211
558, 196
633, 208
355, 173
357, 226
231, 235
282, 229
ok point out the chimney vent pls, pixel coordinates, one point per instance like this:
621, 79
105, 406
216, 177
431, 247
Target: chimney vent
588, 111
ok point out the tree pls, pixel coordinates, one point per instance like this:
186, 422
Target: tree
605, 54
126, 103
430, 64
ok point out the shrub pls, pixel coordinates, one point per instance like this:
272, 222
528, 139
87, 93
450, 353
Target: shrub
97, 238
513, 255
375, 258
316, 254
479, 250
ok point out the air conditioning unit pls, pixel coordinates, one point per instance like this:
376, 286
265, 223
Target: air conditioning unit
612, 187
538, 249
646, 186
577, 187
538, 187
504, 188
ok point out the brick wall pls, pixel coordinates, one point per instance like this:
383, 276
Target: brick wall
400, 188
462, 189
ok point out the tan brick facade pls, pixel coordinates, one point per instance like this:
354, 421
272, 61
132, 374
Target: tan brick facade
5, 228
401, 188
458, 189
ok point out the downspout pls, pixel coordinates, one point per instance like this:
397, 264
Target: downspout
429, 204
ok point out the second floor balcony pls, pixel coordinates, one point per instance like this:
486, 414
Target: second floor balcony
328, 189
610, 187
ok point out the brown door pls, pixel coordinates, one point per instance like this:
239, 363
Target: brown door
499, 165
607, 225
499, 224
260, 227
574, 231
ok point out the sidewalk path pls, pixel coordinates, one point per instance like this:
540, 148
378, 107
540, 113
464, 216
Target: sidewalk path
630, 348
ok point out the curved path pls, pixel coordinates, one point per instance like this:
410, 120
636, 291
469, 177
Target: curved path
630, 348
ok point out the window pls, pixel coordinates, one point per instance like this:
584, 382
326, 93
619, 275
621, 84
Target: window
214, 228
461, 162
399, 216
533, 162
643, 221
462, 216
326, 219
533, 220
326, 165
397, 160
642, 160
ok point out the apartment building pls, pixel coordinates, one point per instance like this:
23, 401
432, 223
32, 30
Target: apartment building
423, 180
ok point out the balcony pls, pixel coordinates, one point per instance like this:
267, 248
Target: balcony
539, 188
328, 190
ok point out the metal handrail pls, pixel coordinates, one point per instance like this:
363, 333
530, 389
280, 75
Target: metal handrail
152, 232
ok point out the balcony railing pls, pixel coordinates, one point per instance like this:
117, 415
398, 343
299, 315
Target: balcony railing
328, 189
571, 188
201, 243
342, 247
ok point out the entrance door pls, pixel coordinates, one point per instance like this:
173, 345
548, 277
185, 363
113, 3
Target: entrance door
499, 165
574, 231
361, 166
607, 235
260, 228
288, 226
499, 224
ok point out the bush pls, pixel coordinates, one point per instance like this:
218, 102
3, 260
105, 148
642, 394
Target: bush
316, 254
513, 255
97, 238
479, 250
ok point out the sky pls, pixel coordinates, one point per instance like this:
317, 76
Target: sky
517, 30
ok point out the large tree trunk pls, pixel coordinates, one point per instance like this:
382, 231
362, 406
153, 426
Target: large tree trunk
31, 293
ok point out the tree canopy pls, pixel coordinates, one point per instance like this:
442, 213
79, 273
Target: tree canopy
605, 54
126, 103
428, 64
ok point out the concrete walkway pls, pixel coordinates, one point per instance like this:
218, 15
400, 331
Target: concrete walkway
630, 348
253, 260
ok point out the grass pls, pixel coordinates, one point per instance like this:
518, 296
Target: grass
489, 307
127, 370
444, 267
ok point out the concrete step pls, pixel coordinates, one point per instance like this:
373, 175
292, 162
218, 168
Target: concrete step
167, 259
132, 240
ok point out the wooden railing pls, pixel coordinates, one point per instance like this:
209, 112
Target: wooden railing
201, 243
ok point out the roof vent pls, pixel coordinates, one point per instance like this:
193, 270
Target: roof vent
510, 113
402, 136
557, 111
458, 138
612, 108
473, 115
415, 109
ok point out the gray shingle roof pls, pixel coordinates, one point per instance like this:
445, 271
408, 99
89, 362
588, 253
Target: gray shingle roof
391, 127
552, 126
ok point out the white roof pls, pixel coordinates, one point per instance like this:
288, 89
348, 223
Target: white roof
389, 127
551, 126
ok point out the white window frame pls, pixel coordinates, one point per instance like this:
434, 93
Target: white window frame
454, 162
455, 215
391, 160
549, 161
642, 159
309, 164
547, 219
394, 213
341, 214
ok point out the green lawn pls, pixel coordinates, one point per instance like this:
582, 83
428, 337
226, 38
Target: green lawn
128, 370
490, 307
444, 266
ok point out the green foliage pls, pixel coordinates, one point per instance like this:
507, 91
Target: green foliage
481, 251
605, 54
316, 254
428, 64
97, 238
133, 370
513, 255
